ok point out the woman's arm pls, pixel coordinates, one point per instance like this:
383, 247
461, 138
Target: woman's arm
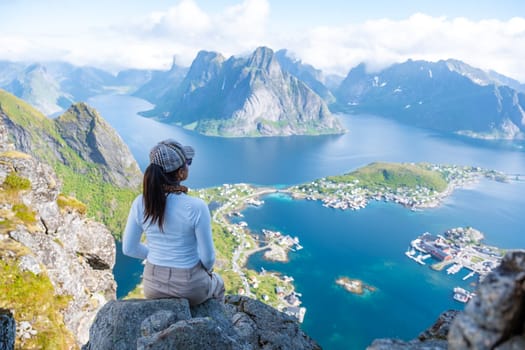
131, 244
204, 238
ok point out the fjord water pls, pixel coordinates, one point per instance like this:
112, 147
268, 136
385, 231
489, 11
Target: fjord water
368, 244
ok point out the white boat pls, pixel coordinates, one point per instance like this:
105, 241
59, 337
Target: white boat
462, 295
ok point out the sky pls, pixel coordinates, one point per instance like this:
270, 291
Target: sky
332, 35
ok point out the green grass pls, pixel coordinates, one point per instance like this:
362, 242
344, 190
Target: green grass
224, 242
15, 182
376, 176
33, 299
71, 203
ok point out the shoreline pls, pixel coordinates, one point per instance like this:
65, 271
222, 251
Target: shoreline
233, 199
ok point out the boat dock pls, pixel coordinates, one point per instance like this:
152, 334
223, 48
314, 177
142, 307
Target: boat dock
472, 273
420, 258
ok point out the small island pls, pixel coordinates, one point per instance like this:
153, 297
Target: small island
355, 286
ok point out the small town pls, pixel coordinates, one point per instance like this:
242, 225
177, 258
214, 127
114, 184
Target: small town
455, 250
353, 195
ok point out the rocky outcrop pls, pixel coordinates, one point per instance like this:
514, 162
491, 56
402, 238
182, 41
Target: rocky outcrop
7, 330
434, 338
239, 323
96, 141
494, 319
77, 254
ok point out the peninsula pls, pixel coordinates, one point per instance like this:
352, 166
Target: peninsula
413, 185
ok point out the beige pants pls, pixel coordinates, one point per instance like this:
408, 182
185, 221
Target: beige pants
194, 284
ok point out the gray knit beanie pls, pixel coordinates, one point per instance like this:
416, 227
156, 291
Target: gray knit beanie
170, 155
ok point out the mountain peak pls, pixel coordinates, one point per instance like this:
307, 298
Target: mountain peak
94, 139
262, 57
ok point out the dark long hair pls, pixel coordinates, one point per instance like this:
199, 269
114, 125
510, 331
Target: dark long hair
153, 192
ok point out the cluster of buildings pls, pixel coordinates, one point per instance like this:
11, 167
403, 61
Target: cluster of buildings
350, 195
461, 248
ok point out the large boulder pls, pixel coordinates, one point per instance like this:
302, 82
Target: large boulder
495, 318
239, 323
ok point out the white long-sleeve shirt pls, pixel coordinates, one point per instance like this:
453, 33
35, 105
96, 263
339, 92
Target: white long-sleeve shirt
186, 238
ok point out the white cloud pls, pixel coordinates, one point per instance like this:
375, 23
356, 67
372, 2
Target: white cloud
184, 29
487, 44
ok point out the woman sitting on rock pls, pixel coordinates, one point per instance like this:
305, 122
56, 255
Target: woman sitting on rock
179, 249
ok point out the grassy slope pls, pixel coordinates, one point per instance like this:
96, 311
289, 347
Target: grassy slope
394, 175
81, 179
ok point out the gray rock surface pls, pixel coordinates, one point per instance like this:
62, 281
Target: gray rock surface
239, 323
495, 318
434, 338
245, 96
7, 330
76, 253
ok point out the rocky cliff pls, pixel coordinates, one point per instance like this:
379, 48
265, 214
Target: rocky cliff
56, 264
493, 319
239, 323
245, 96
87, 154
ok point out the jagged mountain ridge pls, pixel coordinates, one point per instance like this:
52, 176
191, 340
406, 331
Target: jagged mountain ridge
81, 129
447, 96
90, 158
461, 99
305, 72
246, 96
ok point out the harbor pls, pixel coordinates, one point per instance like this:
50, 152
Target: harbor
456, 250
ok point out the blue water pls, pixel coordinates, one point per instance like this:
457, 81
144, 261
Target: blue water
368, 244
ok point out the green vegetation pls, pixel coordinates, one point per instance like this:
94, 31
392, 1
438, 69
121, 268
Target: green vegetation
225, 243
377, 176
103, 200
81, 179
33, 297
71, 203
19, 212
232, 281
25, 214
15, 182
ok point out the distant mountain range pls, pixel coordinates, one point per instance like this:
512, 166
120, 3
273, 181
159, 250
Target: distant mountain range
270, 93
448, 96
